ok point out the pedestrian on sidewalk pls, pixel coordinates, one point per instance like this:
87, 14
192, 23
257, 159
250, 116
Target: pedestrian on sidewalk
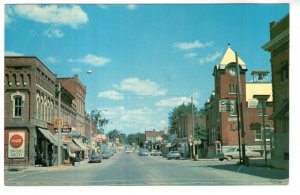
72, 156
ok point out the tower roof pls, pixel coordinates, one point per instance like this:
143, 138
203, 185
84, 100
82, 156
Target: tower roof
229, 57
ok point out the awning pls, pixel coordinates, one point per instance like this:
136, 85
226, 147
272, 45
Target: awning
80, 144
282, 112
49, 136
73, 146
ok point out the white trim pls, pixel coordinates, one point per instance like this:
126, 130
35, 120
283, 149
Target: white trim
44, 90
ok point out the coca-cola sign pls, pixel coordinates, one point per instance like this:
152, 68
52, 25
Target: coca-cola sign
16, 146
16, 141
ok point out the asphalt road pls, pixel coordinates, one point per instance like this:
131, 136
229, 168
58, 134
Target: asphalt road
129, 169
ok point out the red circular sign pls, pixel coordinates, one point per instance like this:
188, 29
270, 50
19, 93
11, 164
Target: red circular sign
16, 141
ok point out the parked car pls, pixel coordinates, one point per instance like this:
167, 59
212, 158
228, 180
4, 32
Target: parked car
95, 158
78, 159
233, 153
143, 152
173, 154
156, 153
106, 154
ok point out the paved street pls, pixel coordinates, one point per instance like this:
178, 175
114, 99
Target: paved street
129, 169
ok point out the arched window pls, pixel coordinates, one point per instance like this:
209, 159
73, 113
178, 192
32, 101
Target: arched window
17, 100
37, 113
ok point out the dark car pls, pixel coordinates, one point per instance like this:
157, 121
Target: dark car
106, 155
78, 159
95, 158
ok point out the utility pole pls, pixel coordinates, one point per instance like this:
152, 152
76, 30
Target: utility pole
240, 103
193, 136
58, 126
262, 99
238, 124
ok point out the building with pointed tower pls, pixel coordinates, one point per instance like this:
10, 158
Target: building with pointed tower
222, 110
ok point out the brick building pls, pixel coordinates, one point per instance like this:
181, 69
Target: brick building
185, 134
31, 105
222, 123
30, 102
278, 46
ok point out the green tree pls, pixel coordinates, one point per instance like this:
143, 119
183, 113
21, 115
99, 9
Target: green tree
137, 139
179, 112
98, 119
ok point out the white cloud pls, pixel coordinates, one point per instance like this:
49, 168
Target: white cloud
92, 59
8, 14
12, 53
131, 7
53, 33
72, 16
173, 102
191, 45
52, 60
210, 58
111, 94
103, 6
76, 70
190, 55
142, 87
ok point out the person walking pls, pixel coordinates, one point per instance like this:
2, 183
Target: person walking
72, 156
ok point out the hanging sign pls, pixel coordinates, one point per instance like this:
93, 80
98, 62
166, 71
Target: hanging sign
16, 146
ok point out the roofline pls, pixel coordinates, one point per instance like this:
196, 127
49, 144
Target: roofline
35, 58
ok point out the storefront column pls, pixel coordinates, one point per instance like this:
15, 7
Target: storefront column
31, 146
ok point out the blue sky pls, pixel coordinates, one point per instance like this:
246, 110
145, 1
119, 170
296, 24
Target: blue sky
146, 59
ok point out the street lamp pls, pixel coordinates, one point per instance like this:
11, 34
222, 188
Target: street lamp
263, 99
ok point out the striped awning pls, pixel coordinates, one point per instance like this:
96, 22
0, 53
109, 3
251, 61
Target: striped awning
80, 144
49, 136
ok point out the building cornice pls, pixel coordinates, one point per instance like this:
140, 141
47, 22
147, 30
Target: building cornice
277, 41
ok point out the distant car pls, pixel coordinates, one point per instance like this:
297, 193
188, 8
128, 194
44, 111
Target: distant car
156, 153
233, 153
173, 154
143, 152
129, 151
95, 158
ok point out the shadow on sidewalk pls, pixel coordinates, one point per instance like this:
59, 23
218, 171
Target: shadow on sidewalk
271, 173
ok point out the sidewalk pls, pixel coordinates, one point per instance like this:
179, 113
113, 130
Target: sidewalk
52, 168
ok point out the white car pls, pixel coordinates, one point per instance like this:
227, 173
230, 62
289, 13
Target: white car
233, 153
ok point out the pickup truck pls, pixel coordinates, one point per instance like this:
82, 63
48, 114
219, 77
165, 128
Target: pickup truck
233, 153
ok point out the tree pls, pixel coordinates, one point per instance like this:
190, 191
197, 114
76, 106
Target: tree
179, 112
97, 119
137, 139
113, 134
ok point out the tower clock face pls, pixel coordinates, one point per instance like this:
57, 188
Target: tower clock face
232, 70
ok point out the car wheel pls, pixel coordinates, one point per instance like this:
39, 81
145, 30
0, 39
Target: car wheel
228, 157
221, 159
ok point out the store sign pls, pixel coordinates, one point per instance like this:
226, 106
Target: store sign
227, 106
16, 146
252, 103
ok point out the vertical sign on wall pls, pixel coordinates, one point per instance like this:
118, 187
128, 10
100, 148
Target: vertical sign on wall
16, 145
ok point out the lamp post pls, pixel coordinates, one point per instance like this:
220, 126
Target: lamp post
58, 125
262, 99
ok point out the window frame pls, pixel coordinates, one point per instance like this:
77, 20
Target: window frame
21, 97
